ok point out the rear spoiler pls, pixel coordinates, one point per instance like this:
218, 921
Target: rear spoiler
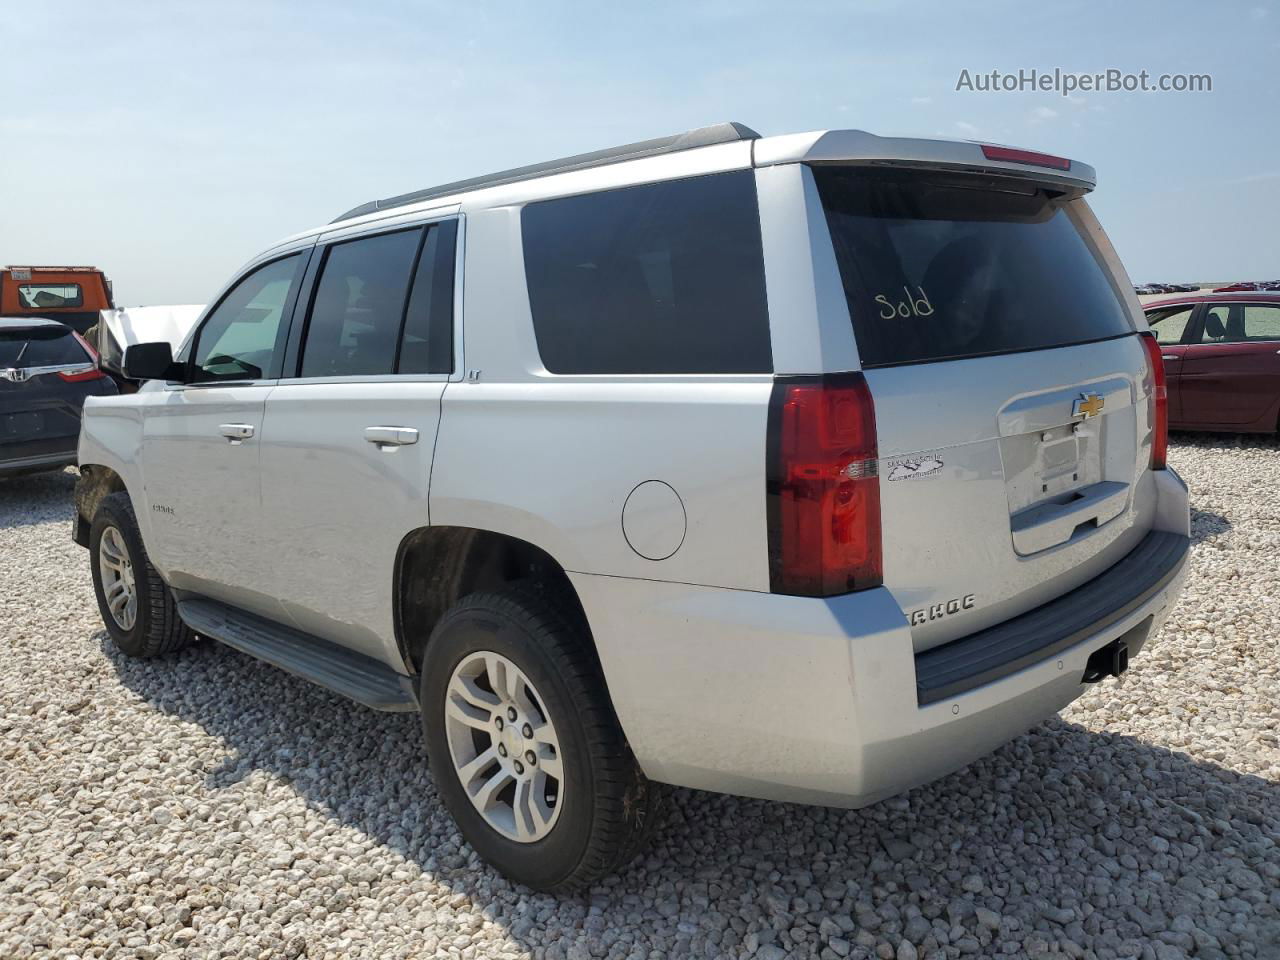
857, 147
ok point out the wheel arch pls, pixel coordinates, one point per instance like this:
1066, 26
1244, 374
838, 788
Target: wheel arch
96, 482
436, 566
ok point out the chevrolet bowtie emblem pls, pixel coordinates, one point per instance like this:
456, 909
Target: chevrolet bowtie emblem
1088, 405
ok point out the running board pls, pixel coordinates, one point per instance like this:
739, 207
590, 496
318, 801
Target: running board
353, 675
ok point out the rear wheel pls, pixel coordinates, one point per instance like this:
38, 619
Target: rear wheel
524, 746
136, 605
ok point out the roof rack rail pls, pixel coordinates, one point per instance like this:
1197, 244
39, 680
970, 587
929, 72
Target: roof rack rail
701, 137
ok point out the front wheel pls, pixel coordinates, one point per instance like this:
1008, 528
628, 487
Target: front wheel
135, 603
524, 746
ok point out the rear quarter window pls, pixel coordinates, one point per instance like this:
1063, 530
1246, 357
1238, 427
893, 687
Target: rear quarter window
941, 267
660, 278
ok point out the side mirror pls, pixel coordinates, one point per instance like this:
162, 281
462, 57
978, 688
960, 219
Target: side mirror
151, 361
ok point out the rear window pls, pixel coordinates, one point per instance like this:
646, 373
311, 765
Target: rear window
660, 278
46, 295
39, 348
939, 268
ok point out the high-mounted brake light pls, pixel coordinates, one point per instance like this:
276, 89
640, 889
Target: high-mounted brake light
823, 486
1030, 157
1159, 403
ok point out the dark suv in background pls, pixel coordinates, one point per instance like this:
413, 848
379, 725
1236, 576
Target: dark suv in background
46, 371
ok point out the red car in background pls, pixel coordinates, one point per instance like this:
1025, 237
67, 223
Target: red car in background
1221, 359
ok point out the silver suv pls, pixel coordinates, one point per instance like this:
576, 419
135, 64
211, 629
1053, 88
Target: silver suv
807, 467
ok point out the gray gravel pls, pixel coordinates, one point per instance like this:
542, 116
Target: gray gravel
207, 805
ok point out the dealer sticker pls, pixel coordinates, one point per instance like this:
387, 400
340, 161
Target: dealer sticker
914, 468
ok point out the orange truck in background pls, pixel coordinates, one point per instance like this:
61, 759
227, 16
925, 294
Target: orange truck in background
70, 295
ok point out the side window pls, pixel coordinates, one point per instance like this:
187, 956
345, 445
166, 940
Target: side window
427, 343
1222, 324
358, 306
1169, 327
660, 278
245, 333
1262, 323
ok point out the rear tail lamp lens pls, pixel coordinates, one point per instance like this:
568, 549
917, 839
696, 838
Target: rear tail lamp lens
81, 376
823, 487
93, 354
1159, 403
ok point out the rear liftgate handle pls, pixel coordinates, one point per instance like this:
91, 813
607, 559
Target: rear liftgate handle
389, 438
236, 433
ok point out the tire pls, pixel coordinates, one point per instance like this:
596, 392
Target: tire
605, 808
156, 628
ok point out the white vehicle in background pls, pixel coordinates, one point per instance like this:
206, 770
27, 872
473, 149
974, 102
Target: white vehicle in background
807, 467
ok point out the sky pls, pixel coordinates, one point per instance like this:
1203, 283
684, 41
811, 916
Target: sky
170, 142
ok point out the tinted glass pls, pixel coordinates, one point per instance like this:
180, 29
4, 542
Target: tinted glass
39, 348
936, 267
243, 336
51, 295
358, 306
660, 278
427, 344
1169, 325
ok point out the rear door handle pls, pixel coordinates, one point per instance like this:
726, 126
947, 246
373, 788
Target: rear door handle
236, 432
1174, 356
391, 436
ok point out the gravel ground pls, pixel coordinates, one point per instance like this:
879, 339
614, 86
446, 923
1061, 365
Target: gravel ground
207, 805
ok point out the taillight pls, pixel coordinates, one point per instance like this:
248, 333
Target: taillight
1029, 157
93, 354
823, 486
81, 375
1159, 403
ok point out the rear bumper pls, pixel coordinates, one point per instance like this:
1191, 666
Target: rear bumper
817, 701
1075, 617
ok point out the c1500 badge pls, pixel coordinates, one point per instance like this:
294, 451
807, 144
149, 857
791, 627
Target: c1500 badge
914, 468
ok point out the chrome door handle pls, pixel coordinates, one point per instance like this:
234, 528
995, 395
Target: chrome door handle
391, 436
1174, 356
236, 432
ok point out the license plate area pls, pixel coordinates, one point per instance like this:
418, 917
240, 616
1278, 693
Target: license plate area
1049, 464
22, 425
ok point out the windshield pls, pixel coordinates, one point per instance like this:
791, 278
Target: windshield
938, 267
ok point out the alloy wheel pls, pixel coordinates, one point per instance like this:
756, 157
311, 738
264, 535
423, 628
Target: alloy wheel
504, 747
118, 585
